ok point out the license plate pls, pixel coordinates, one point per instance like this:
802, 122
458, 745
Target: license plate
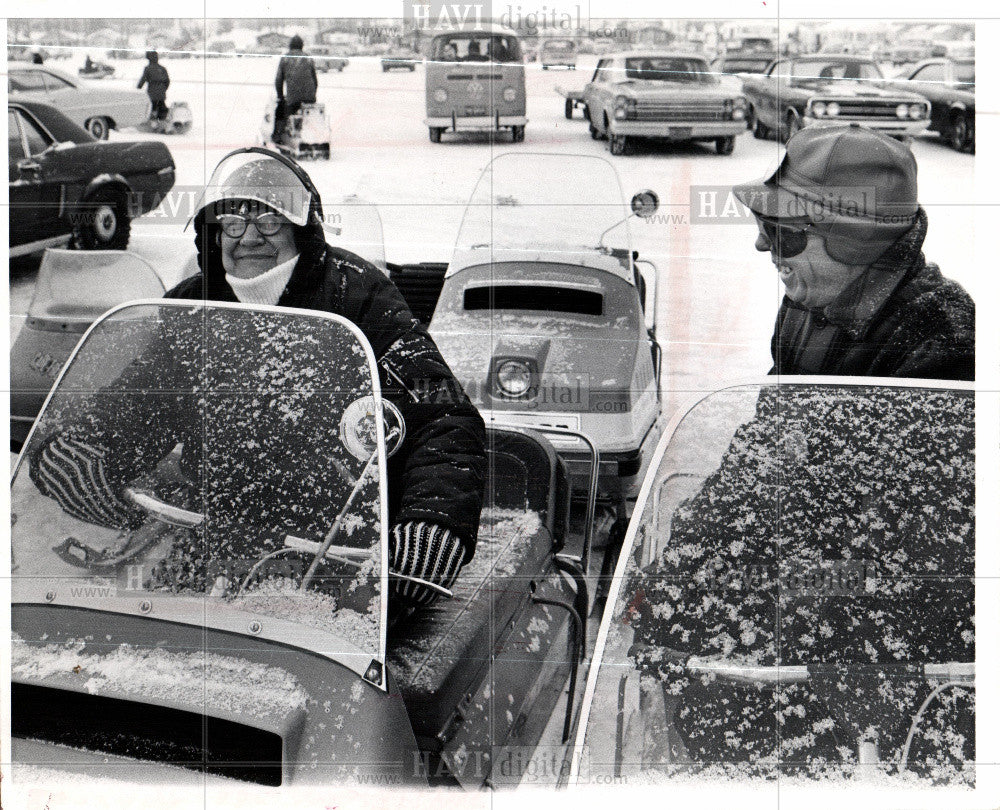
680, 132
475, 111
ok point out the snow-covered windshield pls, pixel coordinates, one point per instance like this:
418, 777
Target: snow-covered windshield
196, 454
546, 207
794, 525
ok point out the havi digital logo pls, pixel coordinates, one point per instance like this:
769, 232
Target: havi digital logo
442, 16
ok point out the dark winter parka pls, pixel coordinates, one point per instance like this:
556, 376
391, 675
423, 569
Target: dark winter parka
156, 76
296, 78
438, 474
901, 318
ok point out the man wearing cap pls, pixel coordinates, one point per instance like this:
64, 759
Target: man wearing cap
260, 240
841, 219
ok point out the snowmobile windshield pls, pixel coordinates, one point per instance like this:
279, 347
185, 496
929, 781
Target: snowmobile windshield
255, 176
212, 465
355, 225
76, 284
799, 555
532, 207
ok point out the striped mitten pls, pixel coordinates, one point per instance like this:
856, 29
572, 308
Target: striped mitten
426, 551
73, 473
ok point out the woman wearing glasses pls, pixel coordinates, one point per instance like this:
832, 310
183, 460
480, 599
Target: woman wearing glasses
260, 241
841, 220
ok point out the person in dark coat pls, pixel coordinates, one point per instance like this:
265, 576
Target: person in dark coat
436, 478
295, 83
841, 220
157, 80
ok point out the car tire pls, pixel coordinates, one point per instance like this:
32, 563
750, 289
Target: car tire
792, 125
619, 144
435, 134
104, 222
958, 132
99, 128
725, 146
568, 108
517, 134
760, 130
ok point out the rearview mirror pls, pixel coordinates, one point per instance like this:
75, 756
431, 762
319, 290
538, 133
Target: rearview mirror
645, 203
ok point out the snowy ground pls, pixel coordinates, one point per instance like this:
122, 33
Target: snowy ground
718, 296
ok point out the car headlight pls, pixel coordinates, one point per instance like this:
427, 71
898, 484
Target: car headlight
624, 107
514, 378
902, 111
440, 94
819, 109
916, 111
509, 94
833, 108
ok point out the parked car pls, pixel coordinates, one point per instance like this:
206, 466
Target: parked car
558, 53
661, 94
950, 87
64, 183
728, 66
908, 52
326, 58
96, 109
405, 60
814, 90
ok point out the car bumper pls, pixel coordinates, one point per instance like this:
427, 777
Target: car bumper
898, 127
677, 130
477, 122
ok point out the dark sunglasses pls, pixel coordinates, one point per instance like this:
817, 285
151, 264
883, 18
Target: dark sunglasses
786, 240
235, 225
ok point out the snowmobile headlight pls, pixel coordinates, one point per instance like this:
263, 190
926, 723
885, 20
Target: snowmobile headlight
440, 94
509, 94
514, 378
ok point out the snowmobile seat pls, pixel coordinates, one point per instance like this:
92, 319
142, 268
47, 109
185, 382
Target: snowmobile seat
441, 653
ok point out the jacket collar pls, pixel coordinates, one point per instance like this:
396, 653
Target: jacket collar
857, 307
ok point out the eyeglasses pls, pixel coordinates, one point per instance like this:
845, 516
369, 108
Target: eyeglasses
786, 240
235, 225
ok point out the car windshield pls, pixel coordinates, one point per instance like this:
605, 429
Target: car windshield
558, 45
547, 206
834, 69
668, 69
463, 46
745, 65
211, 465
828, 526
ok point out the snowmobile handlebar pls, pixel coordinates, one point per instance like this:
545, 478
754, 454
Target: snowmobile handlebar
953, 671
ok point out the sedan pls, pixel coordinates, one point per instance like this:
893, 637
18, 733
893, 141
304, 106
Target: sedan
98, 110
950, 87
64, 183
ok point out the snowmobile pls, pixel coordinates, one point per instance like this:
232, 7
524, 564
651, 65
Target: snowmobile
306, 134
548, 318
177, 122
73, 288
796, 596
226, 634
97, 70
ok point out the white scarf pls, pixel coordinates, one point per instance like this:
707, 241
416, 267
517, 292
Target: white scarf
265, 288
